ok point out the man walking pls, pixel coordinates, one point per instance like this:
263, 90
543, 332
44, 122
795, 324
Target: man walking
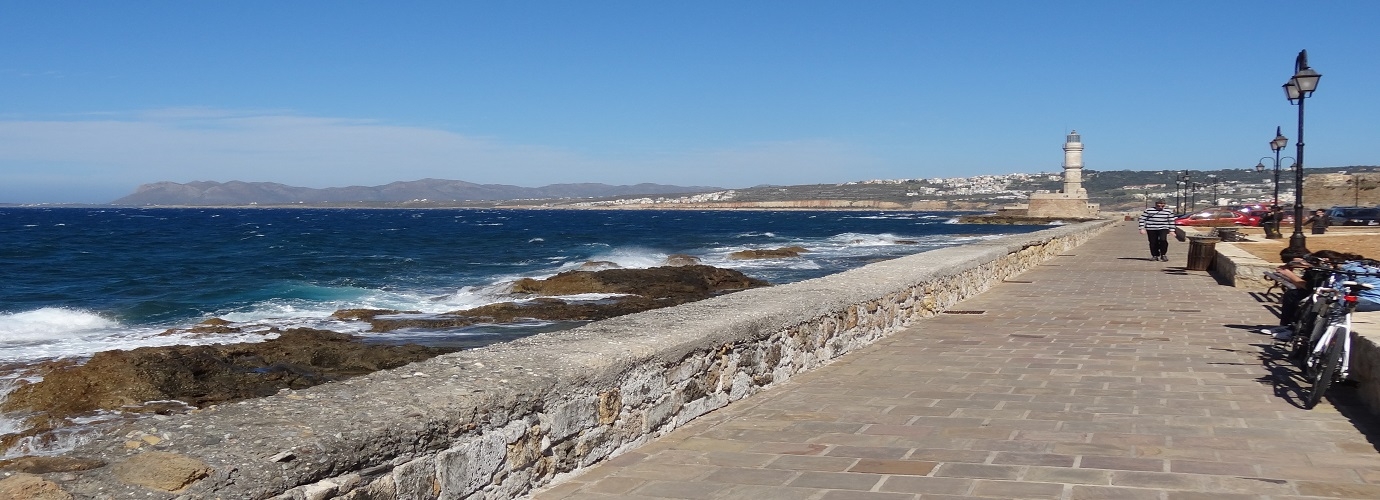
1270, 222
1155, 223
1319, 220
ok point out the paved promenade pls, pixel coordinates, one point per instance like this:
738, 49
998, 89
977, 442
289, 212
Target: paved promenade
1099, 375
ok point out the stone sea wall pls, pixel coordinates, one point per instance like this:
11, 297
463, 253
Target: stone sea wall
505, 420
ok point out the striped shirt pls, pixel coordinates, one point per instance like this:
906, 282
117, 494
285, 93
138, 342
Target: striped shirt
1156, 218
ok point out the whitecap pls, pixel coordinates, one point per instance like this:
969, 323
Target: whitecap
50, 323
624, 257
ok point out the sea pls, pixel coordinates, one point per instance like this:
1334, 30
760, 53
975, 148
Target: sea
76, 281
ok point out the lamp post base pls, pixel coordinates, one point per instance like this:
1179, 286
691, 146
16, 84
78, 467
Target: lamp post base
1296, 248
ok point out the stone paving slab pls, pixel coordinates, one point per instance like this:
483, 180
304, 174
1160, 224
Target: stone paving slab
1098, 375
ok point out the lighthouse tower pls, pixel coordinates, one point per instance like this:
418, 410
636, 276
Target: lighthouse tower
1073, 165
1071, 202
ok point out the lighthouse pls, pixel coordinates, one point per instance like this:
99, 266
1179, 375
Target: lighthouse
1071, 202
1073, 165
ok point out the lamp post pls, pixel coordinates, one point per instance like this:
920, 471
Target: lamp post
1276, 145
1298, 89
1212, 181
1178, 196
1183, 182
1260, 167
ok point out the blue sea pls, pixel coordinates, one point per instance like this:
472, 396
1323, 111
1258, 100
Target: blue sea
75, 281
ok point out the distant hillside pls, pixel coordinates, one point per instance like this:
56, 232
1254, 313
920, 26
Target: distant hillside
269, 193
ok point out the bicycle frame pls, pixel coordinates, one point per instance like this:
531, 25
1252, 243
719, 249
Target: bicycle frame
1338, 323
1329, 360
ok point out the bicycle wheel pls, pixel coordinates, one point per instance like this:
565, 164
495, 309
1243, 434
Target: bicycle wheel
1331, 362
1301, 344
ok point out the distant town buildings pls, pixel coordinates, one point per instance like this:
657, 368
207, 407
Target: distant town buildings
682, 200
1016, 188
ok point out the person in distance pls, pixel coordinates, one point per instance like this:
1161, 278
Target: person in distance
1155, 223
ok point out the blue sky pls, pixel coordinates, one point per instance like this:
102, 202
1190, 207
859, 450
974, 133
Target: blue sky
99, 97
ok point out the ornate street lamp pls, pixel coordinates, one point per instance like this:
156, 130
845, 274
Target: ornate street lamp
1178, 196
1183, 181
1299, 88
1276, 145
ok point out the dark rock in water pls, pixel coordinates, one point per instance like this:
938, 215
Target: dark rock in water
680, 259
550, 309
635, 290
386, 324
1018, 219
906, 242
658, 282
778, 253
210, 326
596, 265
45, 465
366, 314
202, 375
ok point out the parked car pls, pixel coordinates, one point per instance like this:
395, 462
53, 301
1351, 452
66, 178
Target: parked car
1259, 210
1353, 216
1218, 217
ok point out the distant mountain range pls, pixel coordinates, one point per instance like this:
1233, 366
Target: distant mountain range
436, 190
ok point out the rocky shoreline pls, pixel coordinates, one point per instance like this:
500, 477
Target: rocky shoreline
121, 384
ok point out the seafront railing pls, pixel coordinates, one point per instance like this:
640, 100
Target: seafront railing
508, 419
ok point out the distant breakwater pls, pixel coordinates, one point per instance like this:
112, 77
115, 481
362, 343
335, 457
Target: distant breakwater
504, 420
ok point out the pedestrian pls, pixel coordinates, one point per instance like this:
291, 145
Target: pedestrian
1155, 223
1270, 222
1298, 274
1319, 220
1294, 292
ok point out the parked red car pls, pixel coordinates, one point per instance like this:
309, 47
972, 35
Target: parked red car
1218, 217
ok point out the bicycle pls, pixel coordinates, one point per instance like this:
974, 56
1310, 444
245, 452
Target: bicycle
1325, 353
1314, 306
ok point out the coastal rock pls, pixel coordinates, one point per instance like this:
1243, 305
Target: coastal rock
380, 323
365, 314
211, 326
777, 253
202, 375
636, 290
45, 465
161, 470
550, 309
657, 282
1017, 220
680, 259
597, 265
31, 487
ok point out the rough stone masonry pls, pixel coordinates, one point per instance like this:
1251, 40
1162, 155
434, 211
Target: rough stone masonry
501, 421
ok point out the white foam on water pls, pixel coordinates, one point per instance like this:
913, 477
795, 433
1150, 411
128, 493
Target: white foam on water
49, 323
862, 240
51, 333
630, 257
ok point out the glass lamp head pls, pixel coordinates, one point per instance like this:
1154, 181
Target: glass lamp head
1307, 81
1291, 91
